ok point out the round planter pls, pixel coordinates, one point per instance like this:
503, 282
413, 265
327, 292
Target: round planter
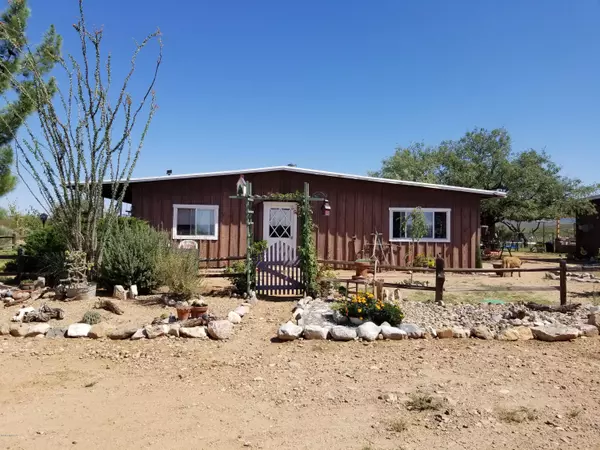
498, 266
81, 293
26, 286
184, 313
197, 311
362, 269
356, 321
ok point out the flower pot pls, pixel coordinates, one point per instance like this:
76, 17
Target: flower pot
197, 311
362, 269
498, 266
81, 292
183, 313
27, 286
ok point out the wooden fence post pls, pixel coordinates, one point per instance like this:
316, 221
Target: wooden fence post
440, 278
563, 282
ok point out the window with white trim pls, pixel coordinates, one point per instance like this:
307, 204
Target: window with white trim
437, 220
196, 222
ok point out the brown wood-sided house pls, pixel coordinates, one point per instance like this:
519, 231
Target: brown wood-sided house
587, 231
199, 207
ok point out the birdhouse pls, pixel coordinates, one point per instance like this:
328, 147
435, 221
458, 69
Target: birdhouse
241, 186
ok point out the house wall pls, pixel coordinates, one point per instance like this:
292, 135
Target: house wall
587, 232
358, 208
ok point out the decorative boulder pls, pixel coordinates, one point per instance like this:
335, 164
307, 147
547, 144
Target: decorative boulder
37, 329
19, 330
315, 332
482, 332
342, 333
122, 332
139, 334
252, 299
368, 331
4, 329
193, 332
174, 329
289, 332
460, 333
119, 292
99, 330
594, 318
77, 330
56, 333
413, 331
133, 291
241, 310
220, 329
444, 333
154, 331
393, 333
589, 330
555, 333
234, 317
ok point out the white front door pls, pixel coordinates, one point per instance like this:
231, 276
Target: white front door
279, 228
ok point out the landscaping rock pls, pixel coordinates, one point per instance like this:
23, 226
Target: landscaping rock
193, 332
594, 318
482, 332
241, 310
339, 318
368, 331
289, 332
444, 333
56, 333
589, 330
154, 331
460, 333
19, 329
40, 283
122, 333
133, 291
99, 330
174, 329
37, 329
393, 333
234, 317
119, 292
252, 299
413, 331
315, 332
555, 333
139, 334
77, 330
4, 330
342, 333
297, 314
220, 329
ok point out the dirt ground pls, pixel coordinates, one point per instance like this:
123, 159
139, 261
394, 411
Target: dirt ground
252, 392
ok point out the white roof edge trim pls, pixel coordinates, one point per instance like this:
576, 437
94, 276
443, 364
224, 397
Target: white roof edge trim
318, 172
594, 197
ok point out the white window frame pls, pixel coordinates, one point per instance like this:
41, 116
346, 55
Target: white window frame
448, 212
214, 208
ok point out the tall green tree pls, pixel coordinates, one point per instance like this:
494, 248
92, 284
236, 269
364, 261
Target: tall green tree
484, 159
16, 79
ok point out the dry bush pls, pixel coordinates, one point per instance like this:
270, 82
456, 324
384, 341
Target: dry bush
398, 425
424, 402
517, 415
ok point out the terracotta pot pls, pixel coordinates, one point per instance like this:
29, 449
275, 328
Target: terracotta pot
362, 269
183, 313
197, 311
82, 292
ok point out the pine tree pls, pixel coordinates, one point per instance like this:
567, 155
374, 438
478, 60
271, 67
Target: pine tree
17, 88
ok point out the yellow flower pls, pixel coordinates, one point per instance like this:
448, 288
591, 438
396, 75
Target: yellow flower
359, 310
360, 318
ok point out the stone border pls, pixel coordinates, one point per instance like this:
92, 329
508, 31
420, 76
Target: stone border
216, 329
369, 331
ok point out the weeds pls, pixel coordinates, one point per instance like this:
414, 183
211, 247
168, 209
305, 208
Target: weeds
517, 415
398, 425
424, 402
573, 413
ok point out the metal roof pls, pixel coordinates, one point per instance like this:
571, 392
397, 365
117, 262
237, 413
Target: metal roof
322, 173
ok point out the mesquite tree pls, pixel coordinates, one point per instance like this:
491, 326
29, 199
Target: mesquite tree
88, 132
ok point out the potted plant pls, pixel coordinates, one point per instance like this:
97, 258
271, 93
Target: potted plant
27, 285
362, 268
76, 285
199, 307
183, 310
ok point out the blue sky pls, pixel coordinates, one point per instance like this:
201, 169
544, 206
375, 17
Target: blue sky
338, 85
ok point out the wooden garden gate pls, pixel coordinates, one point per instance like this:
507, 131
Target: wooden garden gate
278, 271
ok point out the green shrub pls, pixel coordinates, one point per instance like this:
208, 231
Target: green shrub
365, 306
178, 270
44, 253
91, 318
325, 287
131, 254
237, 270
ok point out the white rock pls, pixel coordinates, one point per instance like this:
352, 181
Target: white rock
119, 292
234, 317
133, 291
589, 330
154, 331
594, 318
252, 299
193, 332
220, 329
289, 332
298, 314
555, 334
76, 330
342, 333
174, 329
139, 334
413, 331
458, 332
37, 329
393, 333
315, 332
368, 331
19, 316
241, 310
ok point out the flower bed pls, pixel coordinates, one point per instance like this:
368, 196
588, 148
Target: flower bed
364, 306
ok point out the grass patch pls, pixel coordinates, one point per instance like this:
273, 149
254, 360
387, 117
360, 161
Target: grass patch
478, 297
573, 413
517, 415
398, 425
424, 402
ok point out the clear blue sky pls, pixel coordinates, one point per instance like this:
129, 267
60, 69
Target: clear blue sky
337, 85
